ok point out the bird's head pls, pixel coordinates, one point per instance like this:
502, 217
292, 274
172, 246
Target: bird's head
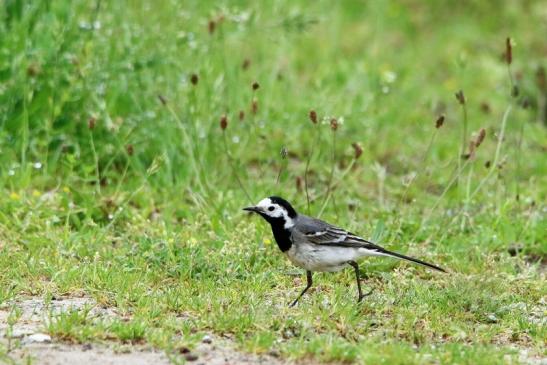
275, 210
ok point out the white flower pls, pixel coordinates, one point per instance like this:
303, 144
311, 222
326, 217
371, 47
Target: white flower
389, 76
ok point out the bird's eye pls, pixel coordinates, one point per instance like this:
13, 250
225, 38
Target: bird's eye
271, 208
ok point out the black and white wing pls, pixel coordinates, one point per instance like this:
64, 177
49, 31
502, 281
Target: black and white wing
322, 233
334, 236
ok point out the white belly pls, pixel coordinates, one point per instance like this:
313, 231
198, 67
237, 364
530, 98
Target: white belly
325, 258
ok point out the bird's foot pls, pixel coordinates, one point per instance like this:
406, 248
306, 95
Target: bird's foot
361, 296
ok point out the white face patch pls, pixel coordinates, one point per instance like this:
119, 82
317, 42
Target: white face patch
274, 210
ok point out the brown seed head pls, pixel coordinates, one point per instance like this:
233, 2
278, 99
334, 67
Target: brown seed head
254, 106
91, 122
194, 79
313, 116
485, 107
212, 26
246, 63
515, 91
440, 121
357, 149
480, 137
508, 51
33, 70
255, 86
333, 124
461, 97
163, 99
298, 183
130, 150
223, 122
241, 115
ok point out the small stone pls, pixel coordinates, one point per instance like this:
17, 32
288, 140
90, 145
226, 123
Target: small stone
38, 338
87, 347
184, 350
21, 332
492, 318
515, 248
207, 339
191, 356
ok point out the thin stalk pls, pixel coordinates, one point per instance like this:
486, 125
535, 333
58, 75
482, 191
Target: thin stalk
422, 161
234, 170
96, 11
483, 181
340, 178
188, 142
331, 177
316, 140
498, 151
464, 134
511, 80
455, 178
105, 230
151, 170
283, 165
519, 149
521, 132
25, 131
464, 139
279, 173
95, 161
467, 196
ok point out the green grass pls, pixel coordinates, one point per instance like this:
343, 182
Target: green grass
117, 184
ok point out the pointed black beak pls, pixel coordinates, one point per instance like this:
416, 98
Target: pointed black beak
252, 209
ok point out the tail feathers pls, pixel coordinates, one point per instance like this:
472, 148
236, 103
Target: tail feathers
398, 255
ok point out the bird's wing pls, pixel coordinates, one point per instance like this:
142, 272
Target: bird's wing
322, 233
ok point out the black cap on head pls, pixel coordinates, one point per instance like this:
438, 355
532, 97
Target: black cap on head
285, 204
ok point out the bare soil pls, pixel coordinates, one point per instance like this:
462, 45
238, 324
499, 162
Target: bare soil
28, 339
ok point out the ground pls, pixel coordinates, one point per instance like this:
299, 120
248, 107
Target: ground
132, 134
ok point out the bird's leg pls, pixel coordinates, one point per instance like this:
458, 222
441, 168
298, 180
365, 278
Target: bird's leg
361, 295
309, 277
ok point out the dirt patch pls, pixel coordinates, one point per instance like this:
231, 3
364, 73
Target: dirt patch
27, 338
62, 354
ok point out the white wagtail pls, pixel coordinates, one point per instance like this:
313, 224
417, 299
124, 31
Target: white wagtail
315, 245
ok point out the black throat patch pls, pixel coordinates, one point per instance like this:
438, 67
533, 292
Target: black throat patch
281, 234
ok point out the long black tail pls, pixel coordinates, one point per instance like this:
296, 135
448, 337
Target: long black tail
398, 255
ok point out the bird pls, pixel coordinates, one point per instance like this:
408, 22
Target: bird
318, 246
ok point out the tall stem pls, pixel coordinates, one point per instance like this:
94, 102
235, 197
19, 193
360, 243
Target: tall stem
234, 170
316, 140
331, 177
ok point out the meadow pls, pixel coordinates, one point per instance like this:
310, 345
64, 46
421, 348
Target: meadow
133, 133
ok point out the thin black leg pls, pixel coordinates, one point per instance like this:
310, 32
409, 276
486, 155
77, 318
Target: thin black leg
361, 295
308, 276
